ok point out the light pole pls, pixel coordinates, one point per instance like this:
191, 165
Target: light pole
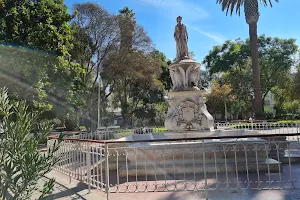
99, 102
225, 110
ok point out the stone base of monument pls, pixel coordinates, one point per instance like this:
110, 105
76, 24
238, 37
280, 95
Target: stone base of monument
162, 158
190, 157
188, 112
188, 134
190, 167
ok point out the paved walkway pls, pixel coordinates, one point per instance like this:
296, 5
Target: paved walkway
64, 190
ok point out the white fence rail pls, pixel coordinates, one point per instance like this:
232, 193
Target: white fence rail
109, 134
257, 162
259, 128
281, 127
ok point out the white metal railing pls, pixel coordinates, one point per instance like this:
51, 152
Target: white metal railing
257, 162
259, 128
109, 134
268, 127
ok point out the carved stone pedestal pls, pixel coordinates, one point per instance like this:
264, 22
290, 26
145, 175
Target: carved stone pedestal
188, 112
185, 75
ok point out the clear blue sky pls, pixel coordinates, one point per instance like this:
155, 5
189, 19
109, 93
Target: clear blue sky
206, 23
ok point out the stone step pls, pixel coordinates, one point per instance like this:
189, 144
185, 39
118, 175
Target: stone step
290, 155
113, 164
189, 168
219, 161
292, 158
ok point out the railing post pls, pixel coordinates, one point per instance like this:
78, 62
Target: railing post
88, 151
106, 171
70, 161
204, 168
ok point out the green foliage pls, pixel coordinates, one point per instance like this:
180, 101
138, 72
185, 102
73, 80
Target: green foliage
42, 74
165, 77
270, 112
135, 80
234, 57
161, 109
42, 24
233, 61
286, 97
219, 95
294, 87
25, 72
205, 79
230, 6
39, 78
292, 106
132, 71
22, 165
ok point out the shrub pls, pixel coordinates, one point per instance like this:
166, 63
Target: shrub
22, 165
270, 113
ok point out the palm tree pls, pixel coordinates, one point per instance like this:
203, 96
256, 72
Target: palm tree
252, 16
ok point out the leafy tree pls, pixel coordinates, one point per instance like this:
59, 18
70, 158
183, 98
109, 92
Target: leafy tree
161, 112
164, 77
251, 10
205, 79
295, 84
132, 72
148, 96
127, 25
218, 98
95, 37
270, 113
131, 66
51, 78
25, 73
42, 24
233, 58
22, 165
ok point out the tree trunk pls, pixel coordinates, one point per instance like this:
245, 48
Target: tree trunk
258, 109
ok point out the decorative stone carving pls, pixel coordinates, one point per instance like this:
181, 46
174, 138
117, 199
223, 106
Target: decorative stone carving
185, 75
178, 78
188, 112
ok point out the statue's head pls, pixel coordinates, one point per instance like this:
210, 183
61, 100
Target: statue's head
178, 19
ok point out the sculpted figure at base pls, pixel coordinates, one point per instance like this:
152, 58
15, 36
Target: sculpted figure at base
181, 38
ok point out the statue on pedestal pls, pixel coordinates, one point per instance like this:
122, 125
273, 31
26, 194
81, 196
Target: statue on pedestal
181, 38
187, 111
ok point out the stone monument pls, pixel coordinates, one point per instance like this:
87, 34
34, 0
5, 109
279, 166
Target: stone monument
188, 117
187, 111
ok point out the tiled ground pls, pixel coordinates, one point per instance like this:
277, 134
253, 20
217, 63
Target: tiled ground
75, 190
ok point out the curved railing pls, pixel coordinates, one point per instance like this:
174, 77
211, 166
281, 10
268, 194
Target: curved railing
256, 162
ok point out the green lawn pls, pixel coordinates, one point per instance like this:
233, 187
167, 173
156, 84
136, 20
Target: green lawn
282, 123
286, 121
